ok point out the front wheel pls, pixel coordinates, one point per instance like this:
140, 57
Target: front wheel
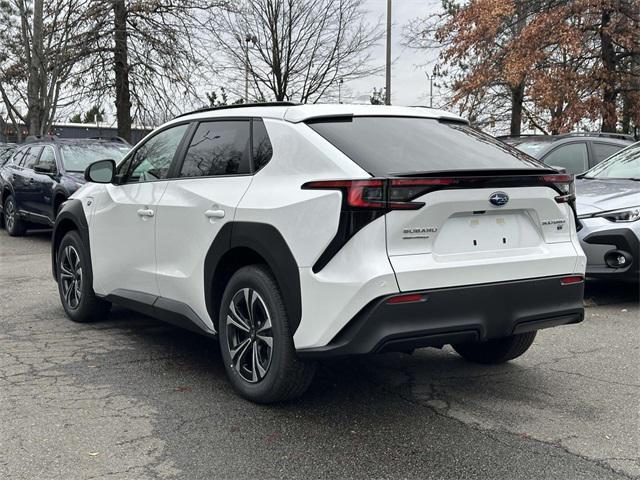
499, 350
256, 340
73, 270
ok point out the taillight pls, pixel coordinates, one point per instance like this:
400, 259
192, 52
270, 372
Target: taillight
377, 194
563, 184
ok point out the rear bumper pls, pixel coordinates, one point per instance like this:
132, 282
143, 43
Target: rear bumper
457, 315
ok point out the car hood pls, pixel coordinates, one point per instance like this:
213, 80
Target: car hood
607, 194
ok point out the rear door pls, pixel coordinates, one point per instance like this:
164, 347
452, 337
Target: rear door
26, 187
203, 197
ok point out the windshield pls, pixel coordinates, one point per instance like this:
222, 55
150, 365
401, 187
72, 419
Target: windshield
404, 145
77, 157
625, 164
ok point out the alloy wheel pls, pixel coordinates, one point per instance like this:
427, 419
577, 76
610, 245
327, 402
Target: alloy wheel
249, 335
71, 277
10, 212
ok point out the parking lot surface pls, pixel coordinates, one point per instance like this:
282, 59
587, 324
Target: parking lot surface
135, 398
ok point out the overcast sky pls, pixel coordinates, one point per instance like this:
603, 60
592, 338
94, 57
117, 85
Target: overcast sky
409, 85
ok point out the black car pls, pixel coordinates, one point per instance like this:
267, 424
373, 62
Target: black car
42, 174
573, 152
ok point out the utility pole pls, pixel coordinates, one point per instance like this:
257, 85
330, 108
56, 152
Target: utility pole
387, 97
430, 78
248, 39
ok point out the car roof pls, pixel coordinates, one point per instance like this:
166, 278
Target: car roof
74, 141
300, 113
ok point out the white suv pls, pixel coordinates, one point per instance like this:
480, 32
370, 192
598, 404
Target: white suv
297, 232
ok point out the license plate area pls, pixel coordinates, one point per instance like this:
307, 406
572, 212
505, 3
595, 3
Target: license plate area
486, 231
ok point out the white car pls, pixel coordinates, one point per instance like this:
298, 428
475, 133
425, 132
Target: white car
297, 232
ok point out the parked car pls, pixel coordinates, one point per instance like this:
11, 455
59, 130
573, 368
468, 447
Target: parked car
42, 174
573, 152
297, 232
609, 210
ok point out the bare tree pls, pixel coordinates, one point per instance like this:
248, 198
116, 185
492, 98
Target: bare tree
39, 46
147, 55
296, 49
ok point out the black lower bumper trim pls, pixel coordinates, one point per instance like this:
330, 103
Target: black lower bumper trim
625, 240
457, 315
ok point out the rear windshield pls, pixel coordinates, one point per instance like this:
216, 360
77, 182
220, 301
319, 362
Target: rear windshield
404, 145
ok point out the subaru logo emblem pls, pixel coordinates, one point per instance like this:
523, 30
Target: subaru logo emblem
498, 199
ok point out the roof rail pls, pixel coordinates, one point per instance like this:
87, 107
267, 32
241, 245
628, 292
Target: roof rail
619, 136
500, 137
241, 105
40, 138
110, 139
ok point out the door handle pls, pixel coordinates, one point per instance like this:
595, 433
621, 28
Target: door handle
145, 212
214, 213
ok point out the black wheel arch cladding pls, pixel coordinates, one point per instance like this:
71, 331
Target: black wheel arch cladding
70, 217
268, 243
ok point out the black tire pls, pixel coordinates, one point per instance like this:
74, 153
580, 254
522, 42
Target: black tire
496, 351
285, 376
75, 281
16, 227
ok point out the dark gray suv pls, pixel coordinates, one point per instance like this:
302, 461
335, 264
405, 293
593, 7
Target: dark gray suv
574, 152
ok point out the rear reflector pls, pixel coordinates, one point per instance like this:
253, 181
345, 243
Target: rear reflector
407, 298
571, 280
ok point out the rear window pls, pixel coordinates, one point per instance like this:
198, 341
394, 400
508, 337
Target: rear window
403, 145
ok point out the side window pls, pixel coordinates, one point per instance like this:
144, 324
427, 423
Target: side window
48, 159
218, 148
262, 150
604, 150
31, 157
573, 157
18, 157
151, 161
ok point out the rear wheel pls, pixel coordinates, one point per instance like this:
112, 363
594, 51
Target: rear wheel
75, 280
13, 223
499, 350
256, 340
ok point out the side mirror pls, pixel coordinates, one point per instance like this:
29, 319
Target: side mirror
102, 171
46, 169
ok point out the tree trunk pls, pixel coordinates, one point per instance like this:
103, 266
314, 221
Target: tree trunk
609, 90
121, 70
517, 100
36, 74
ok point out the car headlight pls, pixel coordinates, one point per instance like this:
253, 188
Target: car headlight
624, 215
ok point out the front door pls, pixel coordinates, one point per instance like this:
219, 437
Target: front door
122, 232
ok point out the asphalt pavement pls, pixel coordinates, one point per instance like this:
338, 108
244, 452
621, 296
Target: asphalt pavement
133, 398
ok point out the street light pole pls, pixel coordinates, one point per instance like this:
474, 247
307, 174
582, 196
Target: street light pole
430, 78
387, 97
248, 39
340, 82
